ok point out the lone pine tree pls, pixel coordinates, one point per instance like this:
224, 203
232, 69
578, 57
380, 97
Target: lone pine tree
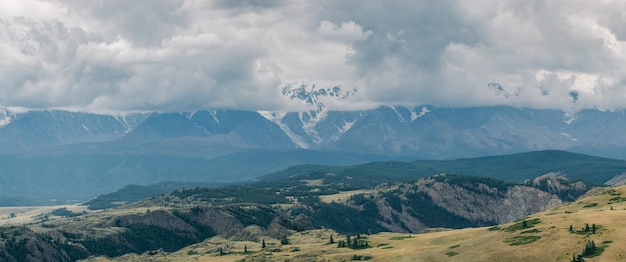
284, 240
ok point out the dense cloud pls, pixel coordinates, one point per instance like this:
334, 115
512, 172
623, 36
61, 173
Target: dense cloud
186, 55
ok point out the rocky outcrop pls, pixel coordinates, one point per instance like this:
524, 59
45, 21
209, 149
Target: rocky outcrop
221, 221
397, 219
559, 185
159, 218
501, 206
617, 180
459, 201
250, 233
22, 244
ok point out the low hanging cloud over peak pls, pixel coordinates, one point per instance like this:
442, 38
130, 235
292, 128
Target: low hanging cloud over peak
187, 55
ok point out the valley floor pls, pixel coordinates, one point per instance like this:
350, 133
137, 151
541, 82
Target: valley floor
10, 216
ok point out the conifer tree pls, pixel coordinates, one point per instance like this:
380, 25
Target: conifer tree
590, 248
341, 243
332, 241
284, 240
263, 244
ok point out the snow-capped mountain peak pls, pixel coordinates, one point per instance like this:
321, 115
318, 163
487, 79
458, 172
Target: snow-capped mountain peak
500, 91
415, 115
5, 116
303, 127
311, 94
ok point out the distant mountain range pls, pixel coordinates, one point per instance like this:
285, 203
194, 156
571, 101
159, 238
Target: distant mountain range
423, 132
109, 152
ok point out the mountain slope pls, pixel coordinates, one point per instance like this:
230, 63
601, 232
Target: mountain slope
442, 133
33, 131
440, 201
91, 153
544, 236
256, 212
78, 177
419, 132
513, 168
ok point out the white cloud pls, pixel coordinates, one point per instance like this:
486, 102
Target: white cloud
448, 51
347, 32
184, 55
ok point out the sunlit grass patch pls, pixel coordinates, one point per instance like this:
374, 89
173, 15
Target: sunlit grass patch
521, 240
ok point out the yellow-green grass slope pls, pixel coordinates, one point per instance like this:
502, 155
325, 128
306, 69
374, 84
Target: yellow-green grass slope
545, 236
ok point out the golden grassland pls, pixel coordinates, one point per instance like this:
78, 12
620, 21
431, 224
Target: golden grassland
553, 240
343, 196
32, 214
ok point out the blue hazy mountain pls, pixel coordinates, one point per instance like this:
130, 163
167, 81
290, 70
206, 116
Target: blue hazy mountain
31, 131
418, 132
86, 154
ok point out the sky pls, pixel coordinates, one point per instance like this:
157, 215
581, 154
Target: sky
188, 55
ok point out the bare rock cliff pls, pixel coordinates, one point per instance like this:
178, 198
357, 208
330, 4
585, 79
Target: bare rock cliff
457, 201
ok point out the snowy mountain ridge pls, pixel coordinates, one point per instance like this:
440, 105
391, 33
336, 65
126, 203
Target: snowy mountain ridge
5, 116
421, 131
311, 94
229, 145
304, 132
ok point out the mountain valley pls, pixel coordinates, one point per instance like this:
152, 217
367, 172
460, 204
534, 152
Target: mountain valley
295, 212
